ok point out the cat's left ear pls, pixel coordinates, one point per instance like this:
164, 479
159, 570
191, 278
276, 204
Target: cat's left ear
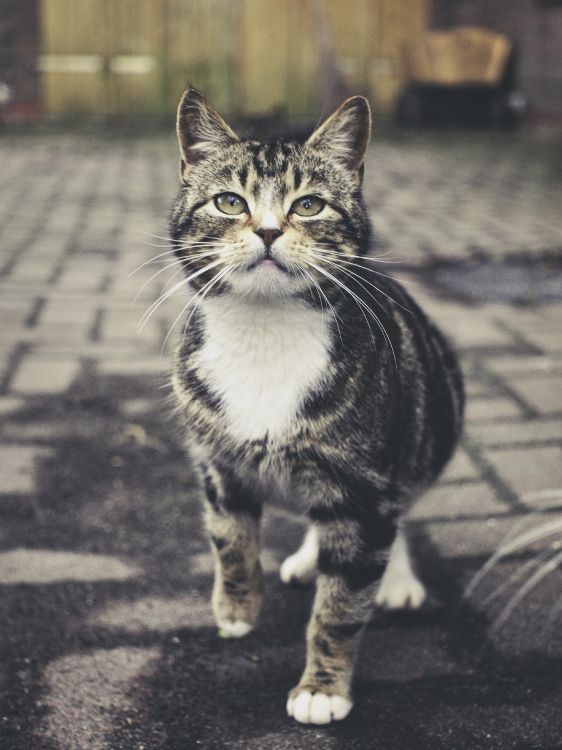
345, 135
201, 130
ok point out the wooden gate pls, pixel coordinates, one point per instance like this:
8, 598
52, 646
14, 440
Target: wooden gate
127, 57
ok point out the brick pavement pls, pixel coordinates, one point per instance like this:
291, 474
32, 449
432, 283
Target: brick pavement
77, 216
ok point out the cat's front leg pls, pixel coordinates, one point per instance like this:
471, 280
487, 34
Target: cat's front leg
353, 550
232, 516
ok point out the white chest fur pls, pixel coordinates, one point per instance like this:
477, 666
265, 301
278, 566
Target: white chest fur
262, 360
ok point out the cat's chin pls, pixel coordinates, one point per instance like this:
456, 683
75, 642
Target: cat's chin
265, 282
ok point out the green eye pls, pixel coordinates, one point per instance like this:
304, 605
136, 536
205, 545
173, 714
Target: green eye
230, 203
310, 205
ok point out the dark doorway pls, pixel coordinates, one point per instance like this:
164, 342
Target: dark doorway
20, 98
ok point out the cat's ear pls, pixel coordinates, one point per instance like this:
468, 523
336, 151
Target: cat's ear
345, 134
201, 130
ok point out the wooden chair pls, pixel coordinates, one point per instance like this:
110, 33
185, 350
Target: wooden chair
463, 75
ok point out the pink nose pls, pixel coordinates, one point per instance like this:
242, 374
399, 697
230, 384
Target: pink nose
268, 235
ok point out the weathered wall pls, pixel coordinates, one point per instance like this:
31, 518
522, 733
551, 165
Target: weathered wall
117, 57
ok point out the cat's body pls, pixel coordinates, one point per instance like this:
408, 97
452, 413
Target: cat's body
268, 387
348, 399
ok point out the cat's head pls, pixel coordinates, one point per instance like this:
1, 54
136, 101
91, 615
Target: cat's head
269, 219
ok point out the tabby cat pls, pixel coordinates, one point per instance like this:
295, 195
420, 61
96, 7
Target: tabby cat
303, 370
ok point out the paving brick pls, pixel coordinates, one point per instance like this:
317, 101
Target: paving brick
481, 409
458, 500
123, 326
460, 467
479, 538
84, 279
529, 470
50, 244
30, 270
540, 331
135, 407
69, 331
157, 614
9, 405
36, 431
50, 566
476, 388
545, 340
43, 375
135, 367
471, 331
543, 393
524, 432
12, 338
524, 365
17, 464
131, 350
552, 313
68, 312
14, 311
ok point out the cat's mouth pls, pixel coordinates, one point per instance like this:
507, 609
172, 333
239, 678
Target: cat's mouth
268, 261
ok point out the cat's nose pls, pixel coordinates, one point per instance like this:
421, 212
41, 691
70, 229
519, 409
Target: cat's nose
268, 235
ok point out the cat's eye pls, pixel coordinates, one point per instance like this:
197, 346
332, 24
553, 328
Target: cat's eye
230, 203
309, 205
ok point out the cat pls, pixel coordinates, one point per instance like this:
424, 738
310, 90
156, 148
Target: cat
303, 370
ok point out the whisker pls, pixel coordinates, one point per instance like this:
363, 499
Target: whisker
151, 260
353, 298
230, 270
170, 252
203, 293
181, 269
363, 304
545, 569
178, 244
158, 244
553, 494
553, 614
359, 265
516, 576
321, 291
154, 275
515, 544
209, 284
155, 305
361, 279
169, 239
374, 258
181, 262
301, 272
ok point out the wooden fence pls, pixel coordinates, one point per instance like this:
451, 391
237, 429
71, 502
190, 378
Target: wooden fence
127, 57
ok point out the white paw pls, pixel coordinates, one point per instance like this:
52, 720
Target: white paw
405, 592
298, 569
233, 628
318, 708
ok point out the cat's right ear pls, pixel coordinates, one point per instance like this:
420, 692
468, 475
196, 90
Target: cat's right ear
345, 135
201, 130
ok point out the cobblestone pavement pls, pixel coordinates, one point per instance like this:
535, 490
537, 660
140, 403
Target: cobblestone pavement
107, 636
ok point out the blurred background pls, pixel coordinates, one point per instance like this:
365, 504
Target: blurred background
121, 59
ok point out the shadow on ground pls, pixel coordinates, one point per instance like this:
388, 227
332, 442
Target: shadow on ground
135, 662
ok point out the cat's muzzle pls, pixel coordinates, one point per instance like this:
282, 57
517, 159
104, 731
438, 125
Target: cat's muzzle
268, 259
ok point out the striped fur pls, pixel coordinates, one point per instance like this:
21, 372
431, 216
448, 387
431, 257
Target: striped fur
301, 371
